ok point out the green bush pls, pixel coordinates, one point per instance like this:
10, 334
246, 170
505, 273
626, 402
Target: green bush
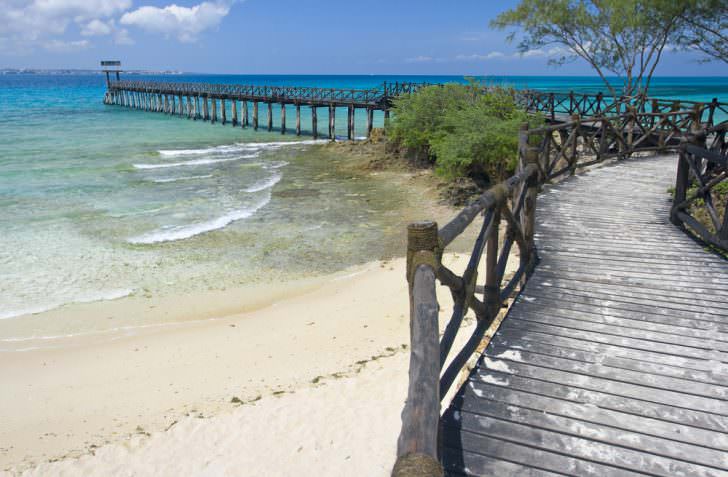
466, 130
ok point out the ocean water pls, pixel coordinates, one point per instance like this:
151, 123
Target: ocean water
100, 202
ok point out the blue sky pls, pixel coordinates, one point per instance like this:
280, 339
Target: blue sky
285, 36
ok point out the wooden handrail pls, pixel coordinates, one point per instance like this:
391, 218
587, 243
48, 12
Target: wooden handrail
705, 166
561, 150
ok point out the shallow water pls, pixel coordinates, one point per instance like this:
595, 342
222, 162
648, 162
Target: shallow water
100, 202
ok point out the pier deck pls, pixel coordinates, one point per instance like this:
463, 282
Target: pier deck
614, 358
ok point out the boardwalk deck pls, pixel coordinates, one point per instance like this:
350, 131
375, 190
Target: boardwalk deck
614, 359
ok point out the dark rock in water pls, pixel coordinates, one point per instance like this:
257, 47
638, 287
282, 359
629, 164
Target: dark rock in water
295, 193
460, 192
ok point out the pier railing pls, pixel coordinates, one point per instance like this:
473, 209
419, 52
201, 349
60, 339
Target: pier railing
545, 154
278, 94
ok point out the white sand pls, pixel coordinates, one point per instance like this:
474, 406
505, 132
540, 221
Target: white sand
320, 404
343, 426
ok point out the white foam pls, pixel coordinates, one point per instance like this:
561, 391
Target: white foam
194, 162
186, 231
276, 144
275, 165
178, 179
264, 184
239, 147
229, 149
85, 298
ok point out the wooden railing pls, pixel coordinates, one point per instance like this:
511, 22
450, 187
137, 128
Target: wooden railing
703, 172
545, 154
277, 94
553, 105
514, 202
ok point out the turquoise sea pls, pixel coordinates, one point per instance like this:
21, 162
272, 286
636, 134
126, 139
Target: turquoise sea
99, 202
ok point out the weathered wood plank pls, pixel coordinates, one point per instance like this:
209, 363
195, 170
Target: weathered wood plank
591, 413
615, 354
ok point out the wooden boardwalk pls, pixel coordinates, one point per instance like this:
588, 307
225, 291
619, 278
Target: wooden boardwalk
614, 359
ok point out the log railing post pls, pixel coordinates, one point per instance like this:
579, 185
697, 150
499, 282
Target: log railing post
574, 158
492, 278
711, 111
681, 185
696, 136
631, 123
528, 157
417, 446
552, 106
571, 103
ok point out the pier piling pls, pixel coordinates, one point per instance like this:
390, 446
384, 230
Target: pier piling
350, 122
370, 121
332, 122
314, 122
298, 119
283, 118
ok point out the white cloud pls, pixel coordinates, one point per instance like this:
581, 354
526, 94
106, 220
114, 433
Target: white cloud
533, 53
539, 53
498, 55
184, 23
97, 28
27, 24
60, 46
475, 57
122, 37
419, 59
100, 28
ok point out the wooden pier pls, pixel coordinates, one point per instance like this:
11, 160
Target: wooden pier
612, 359
212, 102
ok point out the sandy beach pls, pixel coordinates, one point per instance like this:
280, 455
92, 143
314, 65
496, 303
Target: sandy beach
308, 384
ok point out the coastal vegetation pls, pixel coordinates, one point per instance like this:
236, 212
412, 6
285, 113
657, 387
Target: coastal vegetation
626, 38
463, 130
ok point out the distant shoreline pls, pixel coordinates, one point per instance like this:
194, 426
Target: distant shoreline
79, 72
